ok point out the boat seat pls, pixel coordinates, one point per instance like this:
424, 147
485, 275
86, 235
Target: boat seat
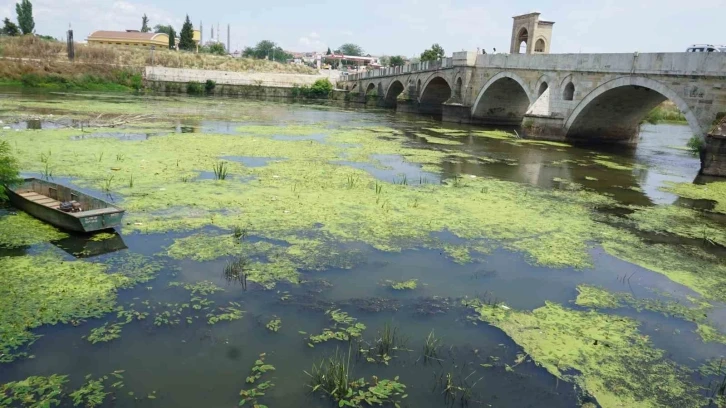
41, 199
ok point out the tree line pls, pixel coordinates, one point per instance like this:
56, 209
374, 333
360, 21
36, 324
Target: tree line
26, 23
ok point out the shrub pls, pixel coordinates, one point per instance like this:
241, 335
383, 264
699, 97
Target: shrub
209, 86
8, 169
695, 143
194, 88
321, 88
30, 80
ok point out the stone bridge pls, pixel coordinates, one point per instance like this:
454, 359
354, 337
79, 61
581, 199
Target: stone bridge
589, 98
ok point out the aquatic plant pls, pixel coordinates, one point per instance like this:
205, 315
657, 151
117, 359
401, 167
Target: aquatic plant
45, 289
225, 314
388, 342
20, 229
716, 370
352, 181
274, 324
403, 181
105, 333
714, 191
259, 369
131, 181
345, 328
456, 388
107, 182
91, 393
34, 391
203, 288
220, 170
334, 377
235, 271
239, 232
431, 348
606, 350
410, 284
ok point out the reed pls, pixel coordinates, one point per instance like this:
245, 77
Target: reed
107, 183
220, 170
332, 375
431, 348
389, 341
236, 271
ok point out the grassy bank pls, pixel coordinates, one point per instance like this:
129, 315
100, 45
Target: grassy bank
667, 112
28, 47
52, 75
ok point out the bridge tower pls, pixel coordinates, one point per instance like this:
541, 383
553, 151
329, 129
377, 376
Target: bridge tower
535, 34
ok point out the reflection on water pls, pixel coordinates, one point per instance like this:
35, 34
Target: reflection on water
394, 169
89, 246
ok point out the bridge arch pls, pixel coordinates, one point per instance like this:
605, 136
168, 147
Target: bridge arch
394, 89
613, 111
370, 87
504, 99
436, 90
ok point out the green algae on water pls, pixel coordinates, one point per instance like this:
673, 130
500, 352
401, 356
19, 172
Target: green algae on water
614, 362
715, 191
684, 222
45, 289
20, 229
410, 284
612, 165
597, 298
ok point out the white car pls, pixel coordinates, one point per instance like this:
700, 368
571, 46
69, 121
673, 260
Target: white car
706, 48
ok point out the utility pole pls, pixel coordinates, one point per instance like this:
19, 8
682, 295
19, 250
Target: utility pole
201, 33
228, 42
71, 45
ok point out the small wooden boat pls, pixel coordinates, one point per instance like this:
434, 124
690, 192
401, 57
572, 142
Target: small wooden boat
43, 200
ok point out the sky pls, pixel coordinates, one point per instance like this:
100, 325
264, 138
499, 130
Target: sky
402, 27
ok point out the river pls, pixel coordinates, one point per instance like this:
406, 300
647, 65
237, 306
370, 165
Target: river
330, 209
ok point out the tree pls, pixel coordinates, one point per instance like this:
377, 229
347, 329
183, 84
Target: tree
186, 38
385, 60
267, 49
10, 28
24, 9
328, 53
172, 38
216, 48
8, 169
397, 61
166, 29
351, 49
145, 24
433, 54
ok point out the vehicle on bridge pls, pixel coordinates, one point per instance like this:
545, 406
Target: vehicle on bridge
706, 48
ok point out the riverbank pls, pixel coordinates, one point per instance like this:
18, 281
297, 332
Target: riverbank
33, 62
666, 112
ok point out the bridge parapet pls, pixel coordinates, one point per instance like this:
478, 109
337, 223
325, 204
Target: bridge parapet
671, 64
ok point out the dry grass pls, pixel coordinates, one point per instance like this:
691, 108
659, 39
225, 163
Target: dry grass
29, 47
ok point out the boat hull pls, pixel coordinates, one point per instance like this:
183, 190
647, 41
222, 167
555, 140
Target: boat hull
88, 221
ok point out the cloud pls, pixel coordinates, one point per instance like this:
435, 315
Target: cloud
312, 42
